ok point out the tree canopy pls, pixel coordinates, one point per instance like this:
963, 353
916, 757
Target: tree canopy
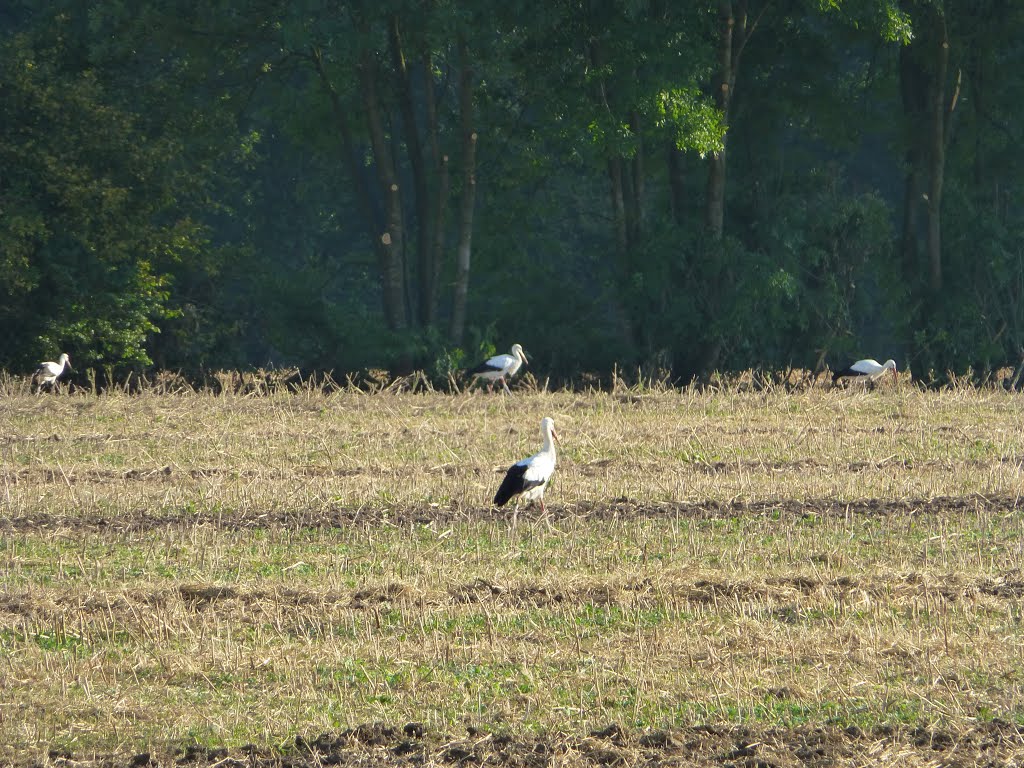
411, 183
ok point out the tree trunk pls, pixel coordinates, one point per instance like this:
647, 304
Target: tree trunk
725, 79
732, 37
924, 67
618, 207
424, 210
734, 30
464, 249
936, 172
714, 211
911, 203
941, 114
617, 172
439, 162
676, 182
391, 240
635, 200
913, 87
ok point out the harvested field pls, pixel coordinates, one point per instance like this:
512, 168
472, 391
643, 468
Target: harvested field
723, 578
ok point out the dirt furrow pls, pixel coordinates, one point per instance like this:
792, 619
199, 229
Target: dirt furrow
617, 509
991, 743
792, 592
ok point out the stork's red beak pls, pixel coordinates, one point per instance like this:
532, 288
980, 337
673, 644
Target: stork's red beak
555, 435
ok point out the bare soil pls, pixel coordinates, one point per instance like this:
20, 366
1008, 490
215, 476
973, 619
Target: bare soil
621, 508
995, 743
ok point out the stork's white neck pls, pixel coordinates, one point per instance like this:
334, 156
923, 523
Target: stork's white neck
549, 442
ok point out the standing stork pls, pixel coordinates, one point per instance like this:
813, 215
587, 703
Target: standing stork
868, 370
47, 373
528, 478
500, 368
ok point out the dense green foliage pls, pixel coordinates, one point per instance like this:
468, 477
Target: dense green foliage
222, 184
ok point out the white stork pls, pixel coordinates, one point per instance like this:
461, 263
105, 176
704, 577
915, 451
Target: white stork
500, 368
528, 478
47, 373
869, 370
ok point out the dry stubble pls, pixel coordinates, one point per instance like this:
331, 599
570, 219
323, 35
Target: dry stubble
228, 570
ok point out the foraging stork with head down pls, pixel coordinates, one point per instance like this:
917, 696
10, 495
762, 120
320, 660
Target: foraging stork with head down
500, 368
869, 370
528, 478
47, 373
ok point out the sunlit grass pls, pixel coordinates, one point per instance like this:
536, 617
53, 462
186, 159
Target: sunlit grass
235, 570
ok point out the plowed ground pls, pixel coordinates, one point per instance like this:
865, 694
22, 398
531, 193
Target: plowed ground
992, 744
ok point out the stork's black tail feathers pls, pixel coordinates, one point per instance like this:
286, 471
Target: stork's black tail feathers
506, 491
510, 486
482, 368
839, 374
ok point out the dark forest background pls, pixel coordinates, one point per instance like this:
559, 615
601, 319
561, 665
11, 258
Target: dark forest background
681, 186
